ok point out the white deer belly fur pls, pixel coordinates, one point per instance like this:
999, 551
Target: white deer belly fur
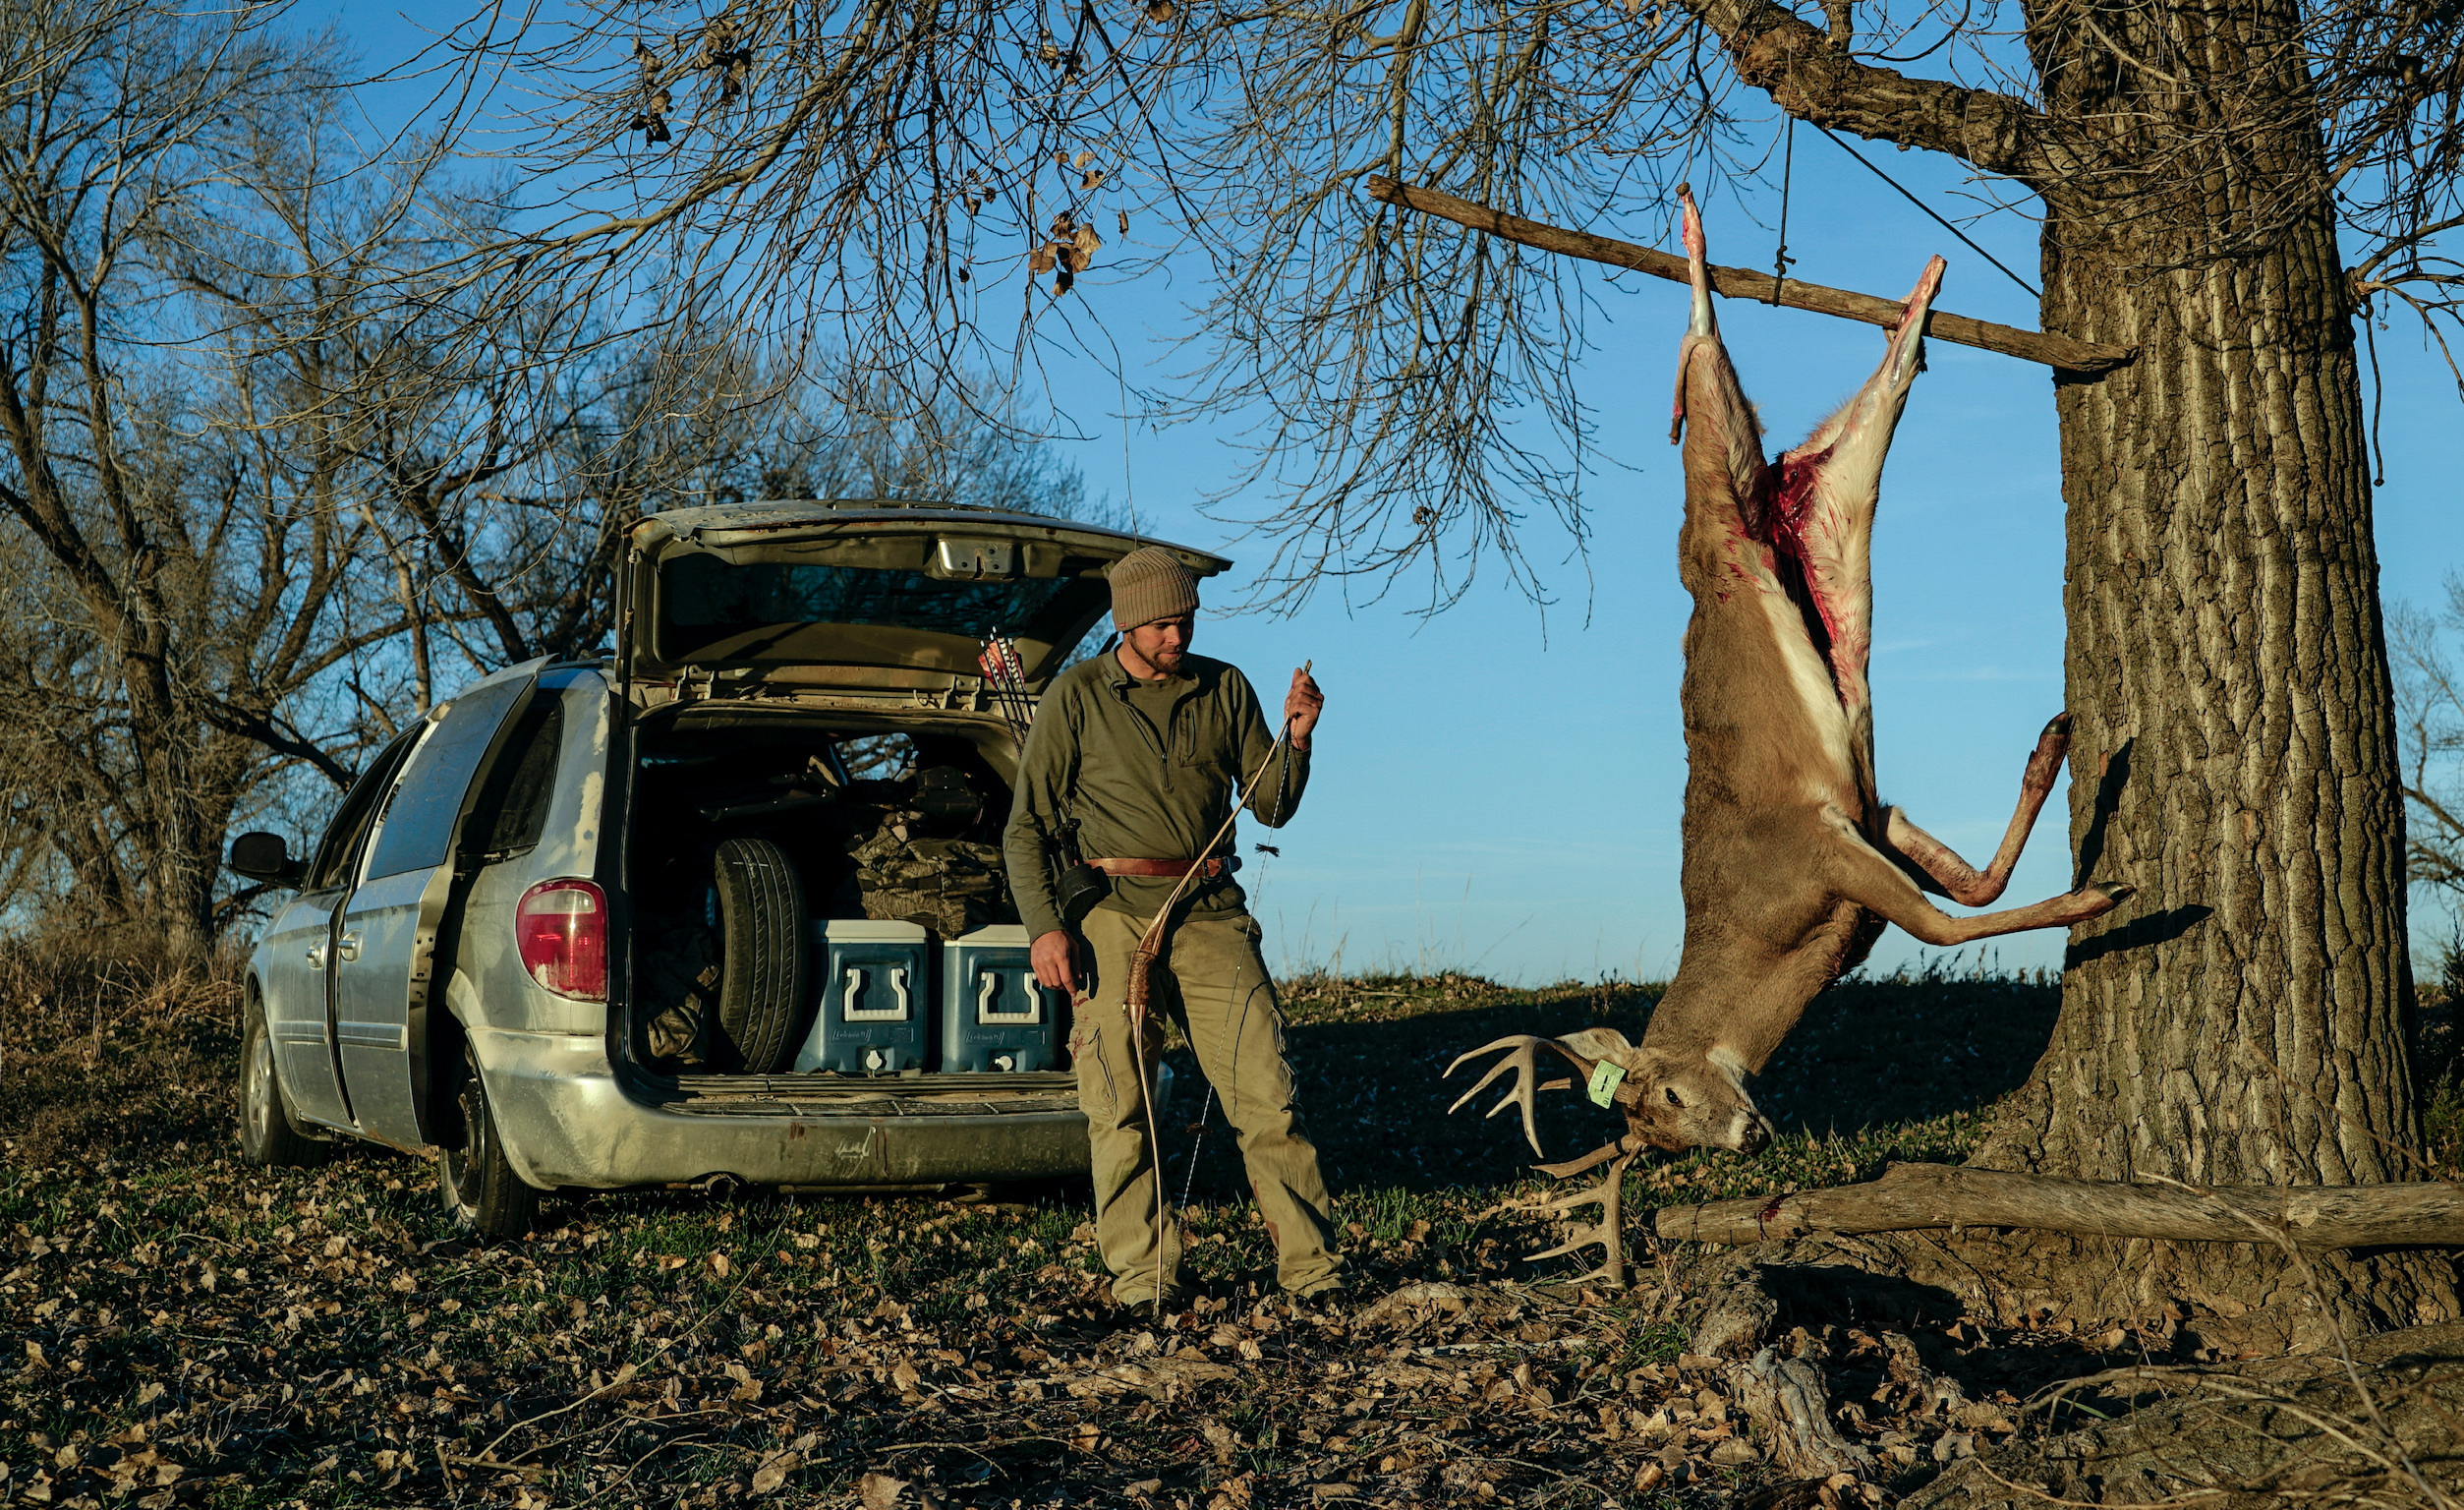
1810, 679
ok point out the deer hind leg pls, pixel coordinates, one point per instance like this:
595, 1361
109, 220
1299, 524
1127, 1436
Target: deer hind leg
1710, 413
1868, 878
1828, 489
1954, 877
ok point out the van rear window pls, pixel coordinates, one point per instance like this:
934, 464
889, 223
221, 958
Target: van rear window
704, 600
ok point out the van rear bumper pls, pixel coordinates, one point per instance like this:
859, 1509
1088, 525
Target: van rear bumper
565, 1121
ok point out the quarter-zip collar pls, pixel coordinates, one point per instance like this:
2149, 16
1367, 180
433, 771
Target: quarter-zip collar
1122, 682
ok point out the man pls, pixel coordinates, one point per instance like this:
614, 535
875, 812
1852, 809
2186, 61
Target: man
1143, 748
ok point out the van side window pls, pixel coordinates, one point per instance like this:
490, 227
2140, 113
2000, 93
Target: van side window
420, 816
514, 810
341, 842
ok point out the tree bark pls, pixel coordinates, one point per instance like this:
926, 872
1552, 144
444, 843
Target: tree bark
2241, 1019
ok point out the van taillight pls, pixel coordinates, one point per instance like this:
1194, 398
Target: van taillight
561, 927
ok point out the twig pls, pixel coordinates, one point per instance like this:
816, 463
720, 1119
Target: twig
2034, 1493
2053, 1394
484, 1461
606, 1492
624, 1375
1007, 1441
628, 1372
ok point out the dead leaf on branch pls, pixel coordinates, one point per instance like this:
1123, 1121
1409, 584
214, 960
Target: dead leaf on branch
1070, 248
1081, 253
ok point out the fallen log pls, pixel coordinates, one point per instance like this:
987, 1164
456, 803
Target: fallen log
1914, 1196
2056, 351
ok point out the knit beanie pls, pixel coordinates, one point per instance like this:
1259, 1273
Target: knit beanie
1147, 584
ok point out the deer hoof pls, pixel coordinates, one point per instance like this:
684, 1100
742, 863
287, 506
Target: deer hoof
2045, 762
2114, 892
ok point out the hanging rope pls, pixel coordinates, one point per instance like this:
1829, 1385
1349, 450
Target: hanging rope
1780, 259
1928, 210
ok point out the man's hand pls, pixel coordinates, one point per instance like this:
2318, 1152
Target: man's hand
1056, 958
1301, 707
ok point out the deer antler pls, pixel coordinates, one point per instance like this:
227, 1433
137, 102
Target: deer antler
1609, 1231
1628, 1144
1525, 1064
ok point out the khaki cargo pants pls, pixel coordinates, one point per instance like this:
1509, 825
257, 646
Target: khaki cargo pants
1211, 969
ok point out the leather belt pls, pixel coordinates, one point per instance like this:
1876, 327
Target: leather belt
1215, 869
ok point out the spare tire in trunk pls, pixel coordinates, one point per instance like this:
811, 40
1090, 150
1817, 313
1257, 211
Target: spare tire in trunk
762, 949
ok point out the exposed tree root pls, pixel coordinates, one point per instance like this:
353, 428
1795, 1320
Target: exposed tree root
2202, 1423
2278, 1432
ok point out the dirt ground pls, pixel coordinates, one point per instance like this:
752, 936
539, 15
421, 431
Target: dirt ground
180, 1329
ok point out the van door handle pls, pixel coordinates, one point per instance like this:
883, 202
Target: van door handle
347, 947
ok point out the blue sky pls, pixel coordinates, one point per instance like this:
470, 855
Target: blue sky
1498, 788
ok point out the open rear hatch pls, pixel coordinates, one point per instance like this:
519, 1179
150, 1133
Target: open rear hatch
861, 594
875, 614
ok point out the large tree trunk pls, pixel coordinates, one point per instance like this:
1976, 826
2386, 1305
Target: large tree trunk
2242, 1020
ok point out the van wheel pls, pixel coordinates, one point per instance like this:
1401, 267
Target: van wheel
762, 950
481, 1193
267, 1136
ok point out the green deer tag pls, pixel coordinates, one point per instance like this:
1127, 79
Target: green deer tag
1605, 1079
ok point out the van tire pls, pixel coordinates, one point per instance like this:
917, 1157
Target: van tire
268, 1137
762, 956
481, 1191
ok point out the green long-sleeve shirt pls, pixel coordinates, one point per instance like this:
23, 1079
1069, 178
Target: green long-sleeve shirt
1149, 770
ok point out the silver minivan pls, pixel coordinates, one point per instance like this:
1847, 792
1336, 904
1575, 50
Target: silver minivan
567, 930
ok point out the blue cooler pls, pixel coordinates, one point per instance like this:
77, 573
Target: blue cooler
994, 1015
873, 1016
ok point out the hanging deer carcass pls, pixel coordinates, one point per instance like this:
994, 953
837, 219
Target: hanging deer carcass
1792, 865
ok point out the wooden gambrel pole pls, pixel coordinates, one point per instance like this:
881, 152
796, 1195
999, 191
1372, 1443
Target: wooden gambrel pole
2055, 351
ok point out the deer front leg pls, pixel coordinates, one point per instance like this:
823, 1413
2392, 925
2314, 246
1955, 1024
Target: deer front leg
1954, 877
1868, 878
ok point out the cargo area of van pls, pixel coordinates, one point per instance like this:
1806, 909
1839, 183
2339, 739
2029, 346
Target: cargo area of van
821, 916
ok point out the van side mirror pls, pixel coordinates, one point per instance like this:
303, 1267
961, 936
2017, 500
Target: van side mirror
266, 857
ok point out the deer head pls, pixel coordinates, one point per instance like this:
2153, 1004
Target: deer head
1670, 1101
